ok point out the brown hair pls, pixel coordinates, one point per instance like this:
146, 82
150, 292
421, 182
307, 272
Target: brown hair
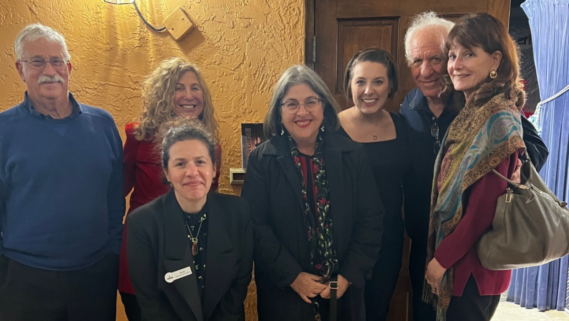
372, 55
182, 129
484, 31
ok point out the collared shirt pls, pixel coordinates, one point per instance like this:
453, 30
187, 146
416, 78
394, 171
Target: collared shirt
75, 111
418, 183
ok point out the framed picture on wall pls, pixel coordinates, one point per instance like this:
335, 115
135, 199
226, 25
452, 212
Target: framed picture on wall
251, 137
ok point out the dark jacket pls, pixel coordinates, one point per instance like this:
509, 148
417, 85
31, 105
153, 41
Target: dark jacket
273, 191
157, 244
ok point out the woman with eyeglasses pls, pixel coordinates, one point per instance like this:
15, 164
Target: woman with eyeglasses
314, 205
175, 89
371, 79
486, 135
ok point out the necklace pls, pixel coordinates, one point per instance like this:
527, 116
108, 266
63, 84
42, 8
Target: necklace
195, 239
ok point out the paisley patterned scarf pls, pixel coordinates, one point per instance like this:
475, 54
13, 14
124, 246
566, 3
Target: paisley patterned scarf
319, 225
477, 141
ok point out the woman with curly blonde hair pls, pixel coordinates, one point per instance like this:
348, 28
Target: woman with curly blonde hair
175, 89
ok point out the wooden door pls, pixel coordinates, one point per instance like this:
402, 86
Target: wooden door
337, 29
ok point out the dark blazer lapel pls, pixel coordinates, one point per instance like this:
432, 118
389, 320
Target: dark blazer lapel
339, 206
221, 258
281, 150
177, 254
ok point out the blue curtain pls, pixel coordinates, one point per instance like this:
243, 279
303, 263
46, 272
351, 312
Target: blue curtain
545, 287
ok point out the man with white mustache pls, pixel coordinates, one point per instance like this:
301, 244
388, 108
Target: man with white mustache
61, 193
429, 112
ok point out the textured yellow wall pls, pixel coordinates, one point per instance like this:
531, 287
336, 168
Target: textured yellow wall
242, 47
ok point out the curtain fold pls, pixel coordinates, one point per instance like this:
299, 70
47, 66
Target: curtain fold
546, 286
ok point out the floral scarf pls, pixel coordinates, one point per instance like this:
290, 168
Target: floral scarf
477, 141
319, 225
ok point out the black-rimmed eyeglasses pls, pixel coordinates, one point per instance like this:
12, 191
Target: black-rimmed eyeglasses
435, 134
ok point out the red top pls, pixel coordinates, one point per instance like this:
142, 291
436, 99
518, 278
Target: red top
142, 166
458, 249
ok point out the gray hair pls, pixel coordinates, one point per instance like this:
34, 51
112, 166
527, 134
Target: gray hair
38, 31
297, 75
428, 19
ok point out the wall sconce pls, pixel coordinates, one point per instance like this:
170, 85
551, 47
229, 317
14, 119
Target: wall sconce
177, 23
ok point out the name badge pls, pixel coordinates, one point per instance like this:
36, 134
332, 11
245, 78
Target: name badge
173, 276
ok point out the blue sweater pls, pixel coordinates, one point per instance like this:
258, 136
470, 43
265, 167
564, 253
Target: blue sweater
61, 189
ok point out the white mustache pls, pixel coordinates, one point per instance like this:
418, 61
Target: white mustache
56, 78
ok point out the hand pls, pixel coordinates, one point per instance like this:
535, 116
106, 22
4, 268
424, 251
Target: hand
307, 286
434, 275
516, 176
343, 286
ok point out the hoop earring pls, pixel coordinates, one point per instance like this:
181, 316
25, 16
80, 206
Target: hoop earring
493, 74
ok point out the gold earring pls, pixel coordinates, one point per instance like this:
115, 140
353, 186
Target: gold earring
493, 74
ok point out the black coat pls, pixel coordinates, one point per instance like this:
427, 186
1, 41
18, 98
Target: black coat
273, 190
157, 244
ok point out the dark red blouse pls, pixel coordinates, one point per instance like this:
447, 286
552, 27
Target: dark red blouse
458, 249
142, 166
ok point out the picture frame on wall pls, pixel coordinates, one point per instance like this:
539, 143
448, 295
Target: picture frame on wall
251, 137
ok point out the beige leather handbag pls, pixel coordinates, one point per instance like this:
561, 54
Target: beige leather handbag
530, 227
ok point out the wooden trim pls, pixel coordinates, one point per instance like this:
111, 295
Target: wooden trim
309, 19
501, 10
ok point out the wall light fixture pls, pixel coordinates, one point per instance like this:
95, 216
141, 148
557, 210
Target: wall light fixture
177, 23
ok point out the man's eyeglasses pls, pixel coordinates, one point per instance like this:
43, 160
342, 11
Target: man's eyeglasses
435, 134
292, 106
56, 63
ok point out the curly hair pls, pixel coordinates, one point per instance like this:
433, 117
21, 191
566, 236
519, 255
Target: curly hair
422, 21
484, 31
158, 99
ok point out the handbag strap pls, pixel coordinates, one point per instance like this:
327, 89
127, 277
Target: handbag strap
516, 185
333, 298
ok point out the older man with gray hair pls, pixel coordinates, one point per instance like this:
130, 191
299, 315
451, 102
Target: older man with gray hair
429, 111
61, 197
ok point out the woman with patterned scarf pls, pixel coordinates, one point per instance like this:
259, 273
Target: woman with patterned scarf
314, 205
487, 134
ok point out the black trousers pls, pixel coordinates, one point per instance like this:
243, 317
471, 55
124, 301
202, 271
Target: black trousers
380, 287
417, 263
131, 307
472, 306
30, 294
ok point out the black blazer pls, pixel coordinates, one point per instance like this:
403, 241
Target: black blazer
157, 244
273, 191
